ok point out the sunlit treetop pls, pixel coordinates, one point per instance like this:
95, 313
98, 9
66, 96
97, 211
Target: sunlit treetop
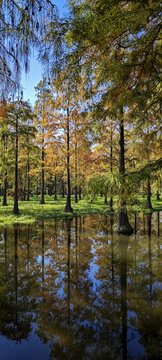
119, 41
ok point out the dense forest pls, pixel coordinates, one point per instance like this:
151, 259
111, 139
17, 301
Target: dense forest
95, 127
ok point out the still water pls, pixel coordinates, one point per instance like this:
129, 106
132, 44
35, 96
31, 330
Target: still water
73, 289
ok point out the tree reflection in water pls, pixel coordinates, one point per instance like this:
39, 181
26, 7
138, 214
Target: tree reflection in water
83, 290
15, 319
123, 246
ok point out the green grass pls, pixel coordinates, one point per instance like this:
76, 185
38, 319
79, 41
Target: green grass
32, 211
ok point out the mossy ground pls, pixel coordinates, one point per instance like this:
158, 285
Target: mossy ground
32, 211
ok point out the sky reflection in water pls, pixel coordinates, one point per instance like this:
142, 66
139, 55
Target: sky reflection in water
71, 289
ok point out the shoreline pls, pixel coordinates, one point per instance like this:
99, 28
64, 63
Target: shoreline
32, 211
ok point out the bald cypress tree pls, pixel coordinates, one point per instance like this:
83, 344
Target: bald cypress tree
118, 47
19, 112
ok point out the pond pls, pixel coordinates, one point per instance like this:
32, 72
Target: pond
73, 289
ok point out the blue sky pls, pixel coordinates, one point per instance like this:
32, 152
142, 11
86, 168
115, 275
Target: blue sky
30, 80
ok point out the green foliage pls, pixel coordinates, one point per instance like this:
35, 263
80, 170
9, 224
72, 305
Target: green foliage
144, 173
101, 184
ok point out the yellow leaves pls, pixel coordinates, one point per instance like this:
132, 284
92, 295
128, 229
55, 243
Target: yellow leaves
34, 172
3, 110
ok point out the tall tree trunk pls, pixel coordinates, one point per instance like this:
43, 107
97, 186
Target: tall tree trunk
55, 188
5, 178
157, 196
50, 187
123, 222
42, 176
76, 191
68, 207
111, 155
76, 164
25, 186
16, 208
149, 205
63, 189
5, 190
28, 166
76, 195
105, 201
28, 178
24, 193
37, 189
80, 193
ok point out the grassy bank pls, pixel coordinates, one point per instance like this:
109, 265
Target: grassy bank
32, 211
